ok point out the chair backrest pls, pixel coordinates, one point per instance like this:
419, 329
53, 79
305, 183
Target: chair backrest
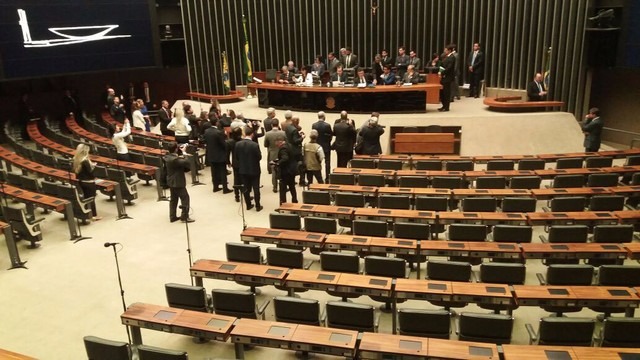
362, 163
483, 204
432, 203
136, 157
31, 184
236, 303
446, 182
518, 204
569, 274
321, 225
103, 349
602, 180
289, 258
503, 273
512, 233
100, 172
414, 231
562, 331
429, 165
14, 179
370, 228
531, 164
394, 202
467, 232
186, 297
413, 181
350, 199
569, 203
390, 164
371, 180
459, 165
635, 179
316, 197
297, 311
12, 213
606, 203
525, 182
633, 160
339, 262
500, 165
448, 270
568, 181
621, 332
384, 266
427, 323
351, 316
270, 74
285, 221
569, 163
342, 179
146, 352
491, 328
598, 162
247, 253
568, 233
613, 233
491, 182
619, 275
49, 188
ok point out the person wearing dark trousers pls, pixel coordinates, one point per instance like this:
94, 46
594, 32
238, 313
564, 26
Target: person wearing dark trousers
475, 65
216, 155
295, 136
118, 134
248, 155
164, 117
272, 150
234, 137
345, 133
455, 85
592, 128
313, 158
447, 77
83, 168
287, 169
325, 135
176, 166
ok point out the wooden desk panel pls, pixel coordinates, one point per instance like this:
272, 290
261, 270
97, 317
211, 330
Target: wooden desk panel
496, 193
385, 346
552, 173
543, 194
447, 349
262, 333
45, 201
323, 340
203, 325
622, 169
393, 245
443, 157
537, 352
392, 190
213, 269
444, 248
610, 296
400, 157
310, 279
150, 316
620, 153
364, 285
625, 190
599, 353
418, 289
258, 273
628, 216
493, 218
486, 249
431, 192
572, 251
356, 171
297, 208
424, 143
333, 188
538, 295
516, 158
425, 217
347, 242
556, 156
577, 217
10, 355
505, 173
284, 237
495, 294
633, 250
459, 217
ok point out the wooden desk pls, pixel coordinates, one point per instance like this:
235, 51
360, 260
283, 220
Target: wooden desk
552, 173
418, 216
261, 333
494, 294
418, 289
203, 325
459, 217
213, 269
334, 188
429, 173
515, 103
241, 272
578, 217
538, 295
336, 212
148, 316
620, 153
493, 218
424, 143
486, 158
537, 352
347, 242
625, 190
609, 296
622, 169
633, 249
392, 190
385, 346
323, 340
496, 193
447, 349
393, 245
431, 192
388, 174
364, 285
311, 279
573, 251
599, 353
10, 355
493, 250
283, 237
628, 216
544, 194
399, 157
443, 157
444, 248
491, 173
555, 157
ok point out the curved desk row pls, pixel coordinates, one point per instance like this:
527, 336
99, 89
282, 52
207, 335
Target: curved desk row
516, 103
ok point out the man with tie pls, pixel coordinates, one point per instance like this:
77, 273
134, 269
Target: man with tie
476, 70
247, 154
361, 79
411, 76
325, 135
385, 58
165, 117
536, 90
349, 60
340, 75
332, 62
447, 76
414, 59
402, 61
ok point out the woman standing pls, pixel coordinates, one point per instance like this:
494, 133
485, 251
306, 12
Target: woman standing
139, 121
180, 126
83, 168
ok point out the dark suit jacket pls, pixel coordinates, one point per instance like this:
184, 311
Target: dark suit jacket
176, 167
593, 130
456, 64
389, 80
287, 161
267, 124
325, 134
371, 140
331, 65
478, 64
247, 156
367, 79
377, 70
216, 147
353, 61
411, 78
533, 92
118, 112
415, 62
342, 78
345, 136
387, 61
448, 74
164, 115
294, 139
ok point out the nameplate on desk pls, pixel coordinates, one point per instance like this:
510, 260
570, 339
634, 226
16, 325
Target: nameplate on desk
470, 215
378, 282
405, 242
164, 315
340, 338
313, 236
424, 213
217, 323
356, 170
609, 247
481, 191
359, 240
334, 186
368, 188
437, 286
410, 345
559, 215
343, 209
56, 202
514, 216
273, 272
442, 190
278, 330
420, 172
306, 207
228, 267
559, 247
384, 212
480, 351
557, 355
602, 215
455, 245
618, 292
558, 291
273, 233
519, 191
36, 197
404, 190
506, 247
326, 277
495, 289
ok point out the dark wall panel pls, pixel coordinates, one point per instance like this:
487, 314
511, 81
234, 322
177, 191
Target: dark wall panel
515, 35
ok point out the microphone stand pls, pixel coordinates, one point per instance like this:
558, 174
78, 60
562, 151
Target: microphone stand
241, 189
186, 225
124, 305
79, 236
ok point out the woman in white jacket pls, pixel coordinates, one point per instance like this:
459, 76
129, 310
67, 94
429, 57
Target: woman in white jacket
180, 126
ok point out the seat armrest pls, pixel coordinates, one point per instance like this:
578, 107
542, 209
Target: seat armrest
308, 264
629, 207
376, 321
87, 200
546, 209
533, 337
474, 277
323, 317
543, 239
541, 279
132, 182
597, 339
36, 221
456, 326
261, 308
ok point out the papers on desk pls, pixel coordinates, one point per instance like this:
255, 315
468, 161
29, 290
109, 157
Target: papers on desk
361, 85
407, 84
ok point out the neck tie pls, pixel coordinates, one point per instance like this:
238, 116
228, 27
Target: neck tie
348, 60
539, 87
473, 58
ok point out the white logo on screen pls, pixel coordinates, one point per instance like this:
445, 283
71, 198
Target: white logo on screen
70, 35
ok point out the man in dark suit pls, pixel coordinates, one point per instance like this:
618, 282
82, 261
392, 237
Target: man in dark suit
475, 64
362, 78
455, 85
371, 137
402, 61
164, 115
118, 111
386, 58
176, 166
414, 59
447, 77
349, 60
287, 169
345, 133
325, 135
332, 62
272, 150
216, 155
592, 129
536, 90
268, 121
286, 76
340, 75
411, 76
247, 154
388, 77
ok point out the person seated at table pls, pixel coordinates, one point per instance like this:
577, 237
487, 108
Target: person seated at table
318, 67
340, 76
286, 76
305, 78
361, 78
291, 66
411, 76
388, 77
377, 67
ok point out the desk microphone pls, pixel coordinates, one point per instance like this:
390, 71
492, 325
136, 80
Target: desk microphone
110, 244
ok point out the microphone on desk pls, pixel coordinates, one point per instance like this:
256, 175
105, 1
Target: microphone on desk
107, 244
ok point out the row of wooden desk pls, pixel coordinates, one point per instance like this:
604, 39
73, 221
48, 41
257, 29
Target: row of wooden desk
338, 342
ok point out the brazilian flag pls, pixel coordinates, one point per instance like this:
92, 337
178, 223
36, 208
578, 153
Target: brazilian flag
547, 69
246, 62
225, 74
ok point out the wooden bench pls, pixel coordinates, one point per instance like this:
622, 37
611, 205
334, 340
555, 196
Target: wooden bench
234, 95
516, 103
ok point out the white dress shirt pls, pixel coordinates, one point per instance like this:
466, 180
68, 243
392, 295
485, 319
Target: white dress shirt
118, 139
